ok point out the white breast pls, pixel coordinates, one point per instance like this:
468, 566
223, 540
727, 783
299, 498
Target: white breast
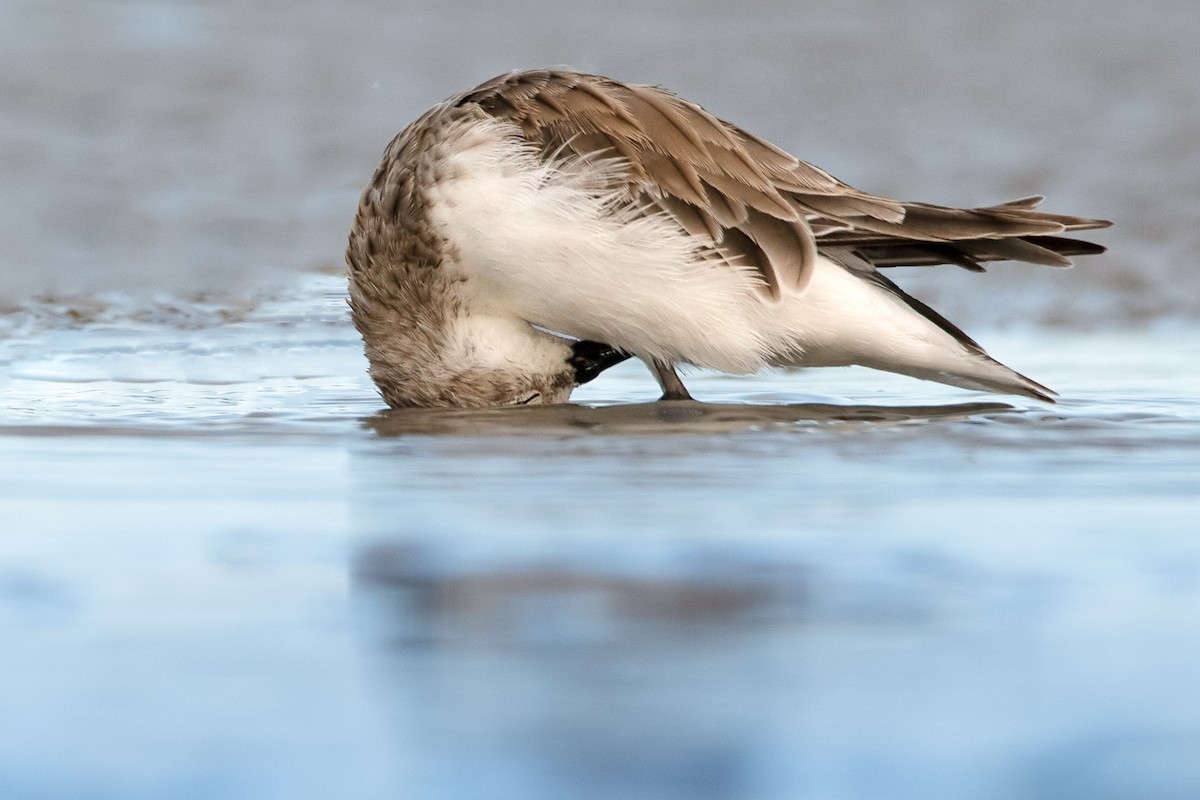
551, 243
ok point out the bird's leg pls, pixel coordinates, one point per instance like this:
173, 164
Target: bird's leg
668, 379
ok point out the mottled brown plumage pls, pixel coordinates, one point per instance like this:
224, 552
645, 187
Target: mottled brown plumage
402, 299
744, 203
762, 206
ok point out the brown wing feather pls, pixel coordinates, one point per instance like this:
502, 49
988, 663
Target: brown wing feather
758, 205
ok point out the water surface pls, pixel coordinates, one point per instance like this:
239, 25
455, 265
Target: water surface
227, 571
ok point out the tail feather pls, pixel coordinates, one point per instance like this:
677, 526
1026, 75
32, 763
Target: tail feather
876, 324
986, 375
972, 368
930, 235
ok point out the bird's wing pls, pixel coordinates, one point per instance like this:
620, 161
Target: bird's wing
931, 235
757, 204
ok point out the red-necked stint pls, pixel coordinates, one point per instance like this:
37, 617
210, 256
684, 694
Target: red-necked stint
521, 237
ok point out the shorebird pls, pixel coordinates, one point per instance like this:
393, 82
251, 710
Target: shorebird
525, 235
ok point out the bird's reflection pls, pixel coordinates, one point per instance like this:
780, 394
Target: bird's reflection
674, 417
585, 683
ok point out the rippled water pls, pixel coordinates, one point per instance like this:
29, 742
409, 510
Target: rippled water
226, 571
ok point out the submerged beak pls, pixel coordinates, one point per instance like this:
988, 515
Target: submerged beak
589, 359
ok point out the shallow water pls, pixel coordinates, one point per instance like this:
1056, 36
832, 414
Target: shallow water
227, 571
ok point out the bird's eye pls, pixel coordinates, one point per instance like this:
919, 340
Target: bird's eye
524, 401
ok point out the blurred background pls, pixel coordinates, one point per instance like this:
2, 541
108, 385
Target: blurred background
226, 572
221, 145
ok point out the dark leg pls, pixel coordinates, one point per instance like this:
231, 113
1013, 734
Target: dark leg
673, 388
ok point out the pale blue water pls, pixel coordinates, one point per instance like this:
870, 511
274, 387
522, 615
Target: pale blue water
236, 578
225, 573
